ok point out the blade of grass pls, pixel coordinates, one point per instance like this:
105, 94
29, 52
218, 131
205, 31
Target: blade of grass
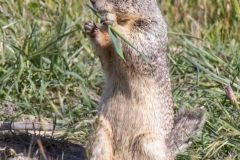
116, 43
126, 41
94, 11
213, 75
236, 7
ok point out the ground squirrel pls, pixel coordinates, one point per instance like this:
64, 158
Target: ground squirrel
135, 119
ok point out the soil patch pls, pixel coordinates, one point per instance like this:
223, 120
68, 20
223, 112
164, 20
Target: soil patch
23, 147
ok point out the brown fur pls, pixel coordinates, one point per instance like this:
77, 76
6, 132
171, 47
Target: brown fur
136, 109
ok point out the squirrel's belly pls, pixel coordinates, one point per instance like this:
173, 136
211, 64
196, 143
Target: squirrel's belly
136, 108
129, 118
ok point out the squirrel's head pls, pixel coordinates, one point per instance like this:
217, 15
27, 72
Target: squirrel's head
145, 7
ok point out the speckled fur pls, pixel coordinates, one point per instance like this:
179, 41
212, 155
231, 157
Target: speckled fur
136, 109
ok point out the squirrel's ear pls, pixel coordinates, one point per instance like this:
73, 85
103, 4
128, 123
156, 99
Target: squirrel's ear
187, 124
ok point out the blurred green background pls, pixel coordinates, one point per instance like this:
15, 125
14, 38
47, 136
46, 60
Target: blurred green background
48, 68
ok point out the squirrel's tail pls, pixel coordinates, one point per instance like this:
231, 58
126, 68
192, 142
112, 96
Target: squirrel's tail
187, 124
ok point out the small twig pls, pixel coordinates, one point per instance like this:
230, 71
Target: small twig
24, 126
42, 151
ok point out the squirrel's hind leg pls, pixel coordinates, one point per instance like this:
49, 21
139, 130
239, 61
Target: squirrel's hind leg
150, 147
101, 141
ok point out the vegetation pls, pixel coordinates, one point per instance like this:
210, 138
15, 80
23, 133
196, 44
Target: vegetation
48, 68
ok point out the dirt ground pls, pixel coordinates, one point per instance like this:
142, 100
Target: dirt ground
21, 147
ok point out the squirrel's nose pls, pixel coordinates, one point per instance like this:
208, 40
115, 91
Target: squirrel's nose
93, 1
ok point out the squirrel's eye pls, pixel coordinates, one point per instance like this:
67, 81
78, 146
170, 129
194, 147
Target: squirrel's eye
122, 21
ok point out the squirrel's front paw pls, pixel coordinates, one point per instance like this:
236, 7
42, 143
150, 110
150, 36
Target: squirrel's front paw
108, 19
90, 28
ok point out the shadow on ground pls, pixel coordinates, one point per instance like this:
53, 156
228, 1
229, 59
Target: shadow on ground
20, 147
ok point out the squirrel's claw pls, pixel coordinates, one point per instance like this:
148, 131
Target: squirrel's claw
90, 27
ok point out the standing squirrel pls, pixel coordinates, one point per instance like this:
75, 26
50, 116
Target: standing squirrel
135, 117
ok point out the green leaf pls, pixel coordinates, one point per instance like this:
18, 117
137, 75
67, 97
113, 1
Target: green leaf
116, 42
126, 41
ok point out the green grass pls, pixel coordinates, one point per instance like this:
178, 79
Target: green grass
48, 68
